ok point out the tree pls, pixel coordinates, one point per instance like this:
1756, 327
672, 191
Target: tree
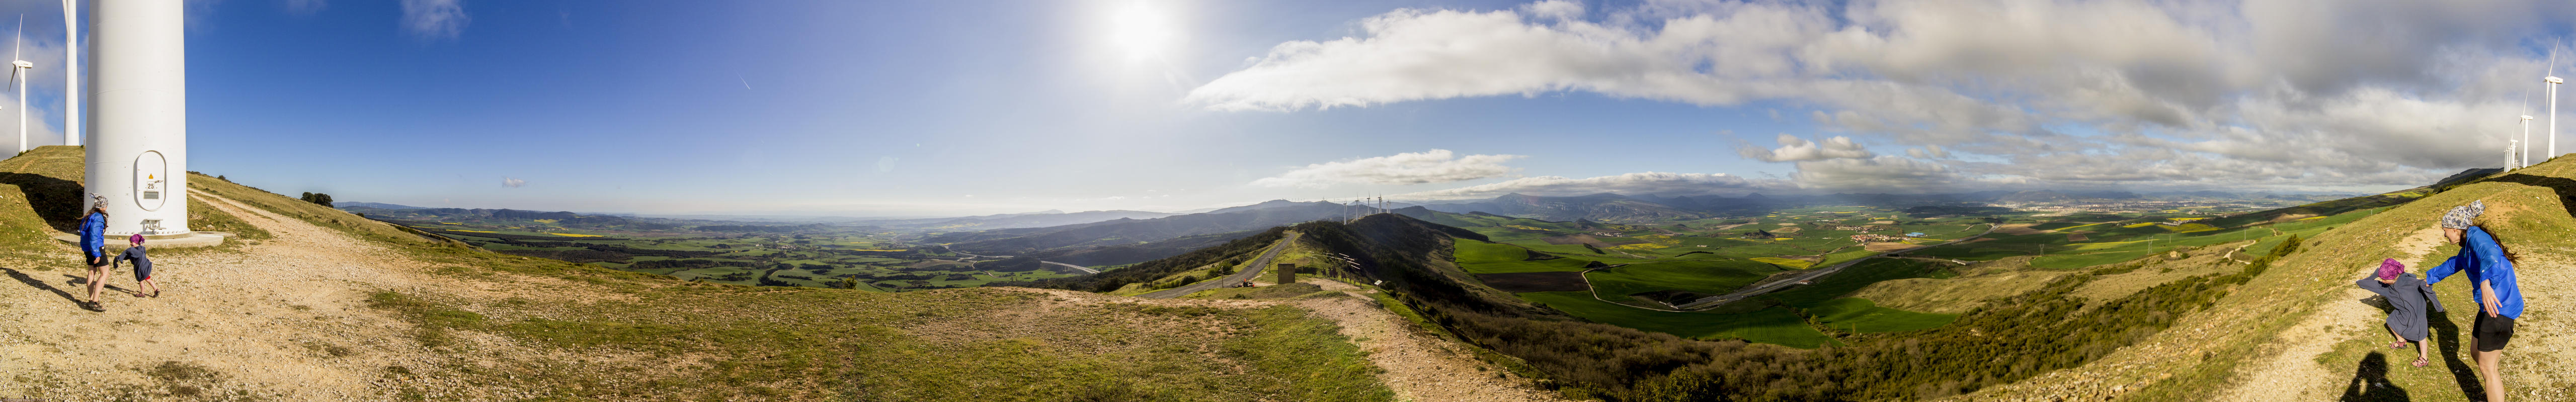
317, 198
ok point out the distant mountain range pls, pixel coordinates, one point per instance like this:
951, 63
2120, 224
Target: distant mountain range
1126, 231
1608, 207
378, 205
1043, 218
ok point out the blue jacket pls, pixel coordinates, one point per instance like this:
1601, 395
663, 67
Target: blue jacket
2485, 262
93, 235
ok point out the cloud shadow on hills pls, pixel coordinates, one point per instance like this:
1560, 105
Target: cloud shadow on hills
2565, 187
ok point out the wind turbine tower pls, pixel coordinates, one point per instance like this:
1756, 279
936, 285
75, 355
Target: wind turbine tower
2508, 153
2523, 158
71, 72
16, 67
138, 155
2553, 80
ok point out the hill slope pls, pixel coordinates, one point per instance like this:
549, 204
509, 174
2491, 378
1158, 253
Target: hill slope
2302, 331
338, 308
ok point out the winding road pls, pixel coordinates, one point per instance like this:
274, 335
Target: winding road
1758, 289
1084, 269
1239, 277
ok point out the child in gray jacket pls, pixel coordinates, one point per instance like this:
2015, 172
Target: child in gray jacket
142, 267
2407, 296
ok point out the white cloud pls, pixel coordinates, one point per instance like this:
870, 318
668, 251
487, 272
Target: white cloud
1793, 149
1435, 165
434, 18
1884, 174
2277, 92
513, 183
1647, 182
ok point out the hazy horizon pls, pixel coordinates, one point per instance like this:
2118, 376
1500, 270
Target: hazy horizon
989, 106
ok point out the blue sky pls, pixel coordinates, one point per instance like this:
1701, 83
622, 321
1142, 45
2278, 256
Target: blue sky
982, 107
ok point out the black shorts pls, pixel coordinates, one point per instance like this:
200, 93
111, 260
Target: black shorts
2492, 332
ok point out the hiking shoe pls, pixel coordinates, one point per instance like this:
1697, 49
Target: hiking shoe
93, 306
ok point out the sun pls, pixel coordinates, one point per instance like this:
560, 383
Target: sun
1141, 31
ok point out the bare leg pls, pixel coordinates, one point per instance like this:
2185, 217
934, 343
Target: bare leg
2424, 351
152, 284
2487, 362
96, 272
2392, 334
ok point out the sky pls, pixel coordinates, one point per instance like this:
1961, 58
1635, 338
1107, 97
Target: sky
970, 107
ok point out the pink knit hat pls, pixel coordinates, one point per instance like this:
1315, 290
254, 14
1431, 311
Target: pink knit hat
136, 239
2389, 268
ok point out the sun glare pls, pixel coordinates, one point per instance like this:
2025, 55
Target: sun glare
1141, 30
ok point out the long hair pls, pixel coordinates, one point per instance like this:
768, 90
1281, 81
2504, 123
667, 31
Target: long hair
2509, 256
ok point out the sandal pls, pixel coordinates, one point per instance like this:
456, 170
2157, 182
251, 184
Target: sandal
2420, 362
156, 293
93, 306
2397, 345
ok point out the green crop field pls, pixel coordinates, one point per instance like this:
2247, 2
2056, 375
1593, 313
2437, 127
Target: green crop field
1776, 326
1851, 279
1713, 277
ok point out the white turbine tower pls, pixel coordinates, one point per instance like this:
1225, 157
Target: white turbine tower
138, 156
2553, 80
2508, 153
71, 72
15, 66
2523, 158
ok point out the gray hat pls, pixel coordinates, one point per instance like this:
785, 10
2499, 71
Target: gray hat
2459, 216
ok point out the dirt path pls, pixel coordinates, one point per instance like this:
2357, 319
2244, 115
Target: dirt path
2293, 373
1419, 366
285, 318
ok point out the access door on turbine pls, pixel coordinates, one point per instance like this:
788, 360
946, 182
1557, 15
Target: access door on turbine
151, 177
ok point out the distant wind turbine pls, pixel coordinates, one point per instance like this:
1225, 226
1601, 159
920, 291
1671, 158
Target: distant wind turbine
2522, 159
2553, 80
16, 65
2508, 153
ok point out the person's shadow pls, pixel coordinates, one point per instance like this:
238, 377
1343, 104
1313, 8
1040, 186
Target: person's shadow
2461, 371
32, 282
2370, 381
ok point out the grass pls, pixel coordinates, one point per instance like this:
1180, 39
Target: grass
1487, 257
1701, 277
1778, 326
1860, 316
1271, 291
1848, 281
1786, 262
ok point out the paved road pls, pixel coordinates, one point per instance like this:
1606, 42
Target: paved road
1718, 300
1238, 277
1084, 269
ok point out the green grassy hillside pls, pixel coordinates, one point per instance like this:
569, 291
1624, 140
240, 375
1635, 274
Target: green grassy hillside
506, 327
40, 194
2528, 209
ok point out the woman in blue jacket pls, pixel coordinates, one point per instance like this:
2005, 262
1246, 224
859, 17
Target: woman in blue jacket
2490, 271
93, 242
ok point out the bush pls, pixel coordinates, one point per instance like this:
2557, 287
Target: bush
317, 198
